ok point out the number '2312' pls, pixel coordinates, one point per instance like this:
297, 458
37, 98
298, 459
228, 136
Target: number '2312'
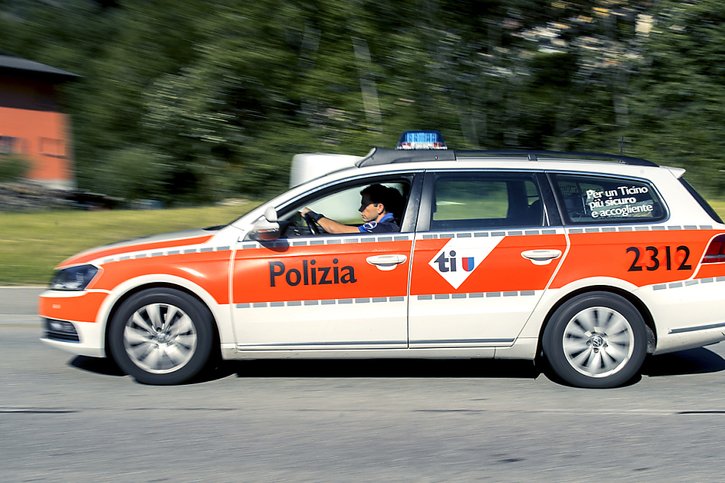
657, 259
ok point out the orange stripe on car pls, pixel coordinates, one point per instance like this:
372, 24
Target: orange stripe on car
106, 252
641, 258
504, 269
81, 308
318, 272
206, 269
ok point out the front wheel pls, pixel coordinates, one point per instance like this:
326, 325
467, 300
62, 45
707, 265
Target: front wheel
596, 340
161, 336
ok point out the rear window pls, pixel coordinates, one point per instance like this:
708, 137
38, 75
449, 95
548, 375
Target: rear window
605, 200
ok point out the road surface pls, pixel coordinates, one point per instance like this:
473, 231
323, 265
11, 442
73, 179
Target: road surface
66, 418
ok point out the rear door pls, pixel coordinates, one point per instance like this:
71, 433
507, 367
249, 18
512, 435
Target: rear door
485, 251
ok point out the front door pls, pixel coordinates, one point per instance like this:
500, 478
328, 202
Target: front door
327, 291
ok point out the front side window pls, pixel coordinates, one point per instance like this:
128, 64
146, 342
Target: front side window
485, 200
604, 199
342, 205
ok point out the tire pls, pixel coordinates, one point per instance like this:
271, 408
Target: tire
161, 336
595, 340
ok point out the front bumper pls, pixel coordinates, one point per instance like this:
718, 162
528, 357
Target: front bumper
70, 321
90, 339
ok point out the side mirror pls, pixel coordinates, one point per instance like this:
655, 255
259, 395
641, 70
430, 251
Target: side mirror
270, 214
267, 227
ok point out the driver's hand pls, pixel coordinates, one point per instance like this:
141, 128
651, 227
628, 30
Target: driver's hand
304, 211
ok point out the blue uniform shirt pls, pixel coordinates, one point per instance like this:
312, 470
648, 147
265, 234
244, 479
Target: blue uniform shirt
386, 224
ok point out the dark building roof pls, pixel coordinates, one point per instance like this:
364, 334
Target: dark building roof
16, 65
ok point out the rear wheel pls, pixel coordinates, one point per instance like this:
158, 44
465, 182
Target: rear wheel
596, 340
161, 336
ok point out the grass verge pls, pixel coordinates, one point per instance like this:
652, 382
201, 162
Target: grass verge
31, 244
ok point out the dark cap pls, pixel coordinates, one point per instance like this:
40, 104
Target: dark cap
375, 193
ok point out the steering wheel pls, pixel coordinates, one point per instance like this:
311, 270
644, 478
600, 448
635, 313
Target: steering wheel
315, 229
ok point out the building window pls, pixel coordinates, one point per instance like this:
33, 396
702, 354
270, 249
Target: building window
8, 144
52, 147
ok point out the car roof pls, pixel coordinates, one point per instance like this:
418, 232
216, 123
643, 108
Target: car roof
379, 156
384, 160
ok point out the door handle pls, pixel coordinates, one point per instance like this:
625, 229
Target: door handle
541, 257
386, 262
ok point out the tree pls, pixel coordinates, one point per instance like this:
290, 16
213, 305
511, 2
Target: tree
678, 97
218, 98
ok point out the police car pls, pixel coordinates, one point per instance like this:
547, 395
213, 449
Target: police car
584, 262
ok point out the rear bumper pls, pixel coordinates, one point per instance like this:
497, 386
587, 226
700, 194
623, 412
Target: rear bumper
688, 314
691, 337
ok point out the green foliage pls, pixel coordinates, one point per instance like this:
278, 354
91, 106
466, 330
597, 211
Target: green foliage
134, 173
218, 97
13, 168
677, 101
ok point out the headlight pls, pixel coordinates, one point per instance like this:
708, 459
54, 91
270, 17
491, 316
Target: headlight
74, 278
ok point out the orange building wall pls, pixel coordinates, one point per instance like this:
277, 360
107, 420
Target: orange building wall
43, 139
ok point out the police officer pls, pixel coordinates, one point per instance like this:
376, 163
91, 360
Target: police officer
377, 207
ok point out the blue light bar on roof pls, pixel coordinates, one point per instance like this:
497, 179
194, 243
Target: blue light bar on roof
425, 139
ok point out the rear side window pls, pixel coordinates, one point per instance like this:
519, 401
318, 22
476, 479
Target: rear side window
605, 200
485, 200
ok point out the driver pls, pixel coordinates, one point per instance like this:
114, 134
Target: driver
377, 207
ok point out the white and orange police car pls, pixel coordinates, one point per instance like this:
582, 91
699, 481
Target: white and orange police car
588, 262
